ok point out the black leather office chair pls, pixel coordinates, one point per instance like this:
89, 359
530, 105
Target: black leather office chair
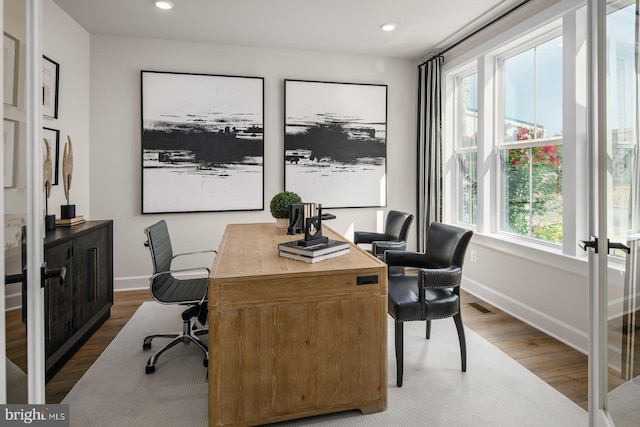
432, 293
394, 237
167, 289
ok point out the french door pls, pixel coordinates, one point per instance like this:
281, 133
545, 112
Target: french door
23, 197
614, 226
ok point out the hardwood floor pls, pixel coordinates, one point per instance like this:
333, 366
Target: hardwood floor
559, 365
124, 305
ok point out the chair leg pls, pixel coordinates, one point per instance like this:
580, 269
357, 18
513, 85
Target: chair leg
463, 344
187, 336
399, 351
428, 335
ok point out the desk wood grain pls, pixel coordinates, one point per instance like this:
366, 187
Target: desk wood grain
289, 339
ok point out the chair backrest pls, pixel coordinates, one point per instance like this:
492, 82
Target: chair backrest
397, 225
447, 244
159, 244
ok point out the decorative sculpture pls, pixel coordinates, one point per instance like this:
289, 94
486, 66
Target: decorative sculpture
313, 229
47, 176
67, 211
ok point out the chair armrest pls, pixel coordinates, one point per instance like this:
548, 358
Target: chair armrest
182, 270
380, 247
404, 258
412, 259
437, 278
367, 237
195, 253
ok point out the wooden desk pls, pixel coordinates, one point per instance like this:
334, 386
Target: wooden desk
289, 339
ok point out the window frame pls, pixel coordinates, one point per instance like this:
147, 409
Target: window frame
517, 47
458, 136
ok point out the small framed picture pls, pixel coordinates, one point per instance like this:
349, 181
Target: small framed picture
52, 136
10, 153
50, 78
11, 55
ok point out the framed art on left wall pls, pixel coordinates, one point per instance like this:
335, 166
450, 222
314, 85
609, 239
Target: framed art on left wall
202, 142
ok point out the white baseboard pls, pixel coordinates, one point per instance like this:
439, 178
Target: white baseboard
130, 283
553, 327
12, 301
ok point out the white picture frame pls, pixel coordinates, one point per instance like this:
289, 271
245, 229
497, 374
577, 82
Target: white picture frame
11, 49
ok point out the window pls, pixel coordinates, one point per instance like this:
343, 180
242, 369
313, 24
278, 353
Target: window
466, 147
530, 142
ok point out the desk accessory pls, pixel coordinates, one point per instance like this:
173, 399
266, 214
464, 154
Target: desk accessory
67, 211
47, 173
313, 259
298, 214
313, 229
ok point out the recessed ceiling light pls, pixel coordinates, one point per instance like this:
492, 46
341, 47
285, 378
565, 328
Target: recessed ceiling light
164, 4
388, 27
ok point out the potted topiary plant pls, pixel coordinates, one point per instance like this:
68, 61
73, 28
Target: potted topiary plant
279, 207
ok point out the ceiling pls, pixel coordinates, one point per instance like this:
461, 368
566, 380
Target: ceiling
338, 26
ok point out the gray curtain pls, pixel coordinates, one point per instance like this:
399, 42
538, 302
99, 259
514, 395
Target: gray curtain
429, 174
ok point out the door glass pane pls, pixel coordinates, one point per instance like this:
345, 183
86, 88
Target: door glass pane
15, 198
623, 401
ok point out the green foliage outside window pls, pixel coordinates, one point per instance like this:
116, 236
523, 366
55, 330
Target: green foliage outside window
533, 185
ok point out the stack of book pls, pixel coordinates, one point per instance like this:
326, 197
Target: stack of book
315, 253
70, 221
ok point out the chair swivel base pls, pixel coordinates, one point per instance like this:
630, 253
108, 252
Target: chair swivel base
188, 335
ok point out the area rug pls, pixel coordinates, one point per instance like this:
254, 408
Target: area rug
495, 390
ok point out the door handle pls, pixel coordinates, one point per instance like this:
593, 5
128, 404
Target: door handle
616, 245
593, 243
48, 273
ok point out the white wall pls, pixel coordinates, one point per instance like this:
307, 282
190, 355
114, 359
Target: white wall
115, 136
68, 44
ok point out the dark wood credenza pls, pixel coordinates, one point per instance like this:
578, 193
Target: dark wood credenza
77, 306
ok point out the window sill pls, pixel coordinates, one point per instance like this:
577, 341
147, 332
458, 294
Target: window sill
540, 253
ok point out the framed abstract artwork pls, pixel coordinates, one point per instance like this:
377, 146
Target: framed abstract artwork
52, 136
11, 49
10, 153
202, 142
50, 82
335, 143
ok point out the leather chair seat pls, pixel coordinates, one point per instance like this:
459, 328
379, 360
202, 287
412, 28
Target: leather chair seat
404, 301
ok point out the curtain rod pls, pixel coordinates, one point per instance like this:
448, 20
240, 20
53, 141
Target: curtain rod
468, 36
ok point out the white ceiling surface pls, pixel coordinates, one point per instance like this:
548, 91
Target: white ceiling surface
337, 26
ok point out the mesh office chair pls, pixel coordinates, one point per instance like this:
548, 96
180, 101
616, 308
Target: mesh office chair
434, 292
167, 289
394, 237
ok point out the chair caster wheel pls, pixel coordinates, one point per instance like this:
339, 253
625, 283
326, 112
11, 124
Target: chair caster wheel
205, 362
146, 346
150, 369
